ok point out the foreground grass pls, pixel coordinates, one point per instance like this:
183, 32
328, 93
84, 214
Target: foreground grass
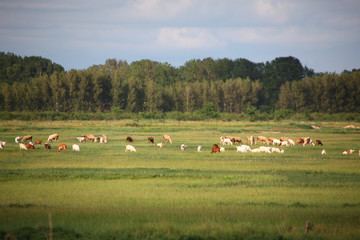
103, 192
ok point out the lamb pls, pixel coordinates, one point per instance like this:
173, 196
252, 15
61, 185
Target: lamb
22, 146
130, 148
76, 147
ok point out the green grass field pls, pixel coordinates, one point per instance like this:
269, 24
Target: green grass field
103, 192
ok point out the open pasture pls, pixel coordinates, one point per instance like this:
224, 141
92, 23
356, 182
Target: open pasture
103, 192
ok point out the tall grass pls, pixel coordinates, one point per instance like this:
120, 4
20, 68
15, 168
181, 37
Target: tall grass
103, 192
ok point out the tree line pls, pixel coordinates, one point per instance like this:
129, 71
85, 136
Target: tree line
231, 86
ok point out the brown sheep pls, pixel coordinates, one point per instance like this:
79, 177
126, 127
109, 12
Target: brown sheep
150, 139
62, 147
30, 146
215, 148
167, 138
318, 142
28, 137
90, 137
129, 139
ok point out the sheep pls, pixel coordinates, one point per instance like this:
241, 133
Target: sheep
160, 145
62, 147
30, 146
22, 146
183, 147
167, 138
47, 146
242, 149
265, 149
130, 148
103, 139
199, 148
52, 137
150, 139
222, 149
250, 139
76, 147
81, 139
323, 152
350, 151
17, 139
28, 137
277, 150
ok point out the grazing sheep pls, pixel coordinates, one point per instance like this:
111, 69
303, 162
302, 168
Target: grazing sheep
103, 139
160, 145
129, 139
30, 146
47, 146
183, 147
17, 139
167, 138
242, 149
262, 139
291, 142
22, 146
222, 149
150, 139
130, 148
28, 137
38, 142
277, 150
265, 149
76, 147
52, 137
81, 139
199, 148
350, 151
323, 152
318, 142
215, 148
90, 137
250, 139
1, 145
62, 147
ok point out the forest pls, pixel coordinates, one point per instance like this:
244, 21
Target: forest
36, 84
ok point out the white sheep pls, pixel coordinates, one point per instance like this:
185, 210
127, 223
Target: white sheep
76, 147
350, 151
17, 139
323, 152
277, 150
160, 145
81, 139
199, 148
222, 149
130, 148
22, 146
183, 147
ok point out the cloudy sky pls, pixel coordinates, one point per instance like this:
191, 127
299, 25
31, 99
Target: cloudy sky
322, 34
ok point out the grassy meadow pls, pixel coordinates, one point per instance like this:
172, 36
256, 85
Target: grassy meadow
103, 192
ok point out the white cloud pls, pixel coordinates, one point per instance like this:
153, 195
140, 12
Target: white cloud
276, 11
187, 38
155, 9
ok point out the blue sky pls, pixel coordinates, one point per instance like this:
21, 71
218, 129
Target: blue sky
322, 34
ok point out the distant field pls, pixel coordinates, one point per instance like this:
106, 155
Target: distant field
103, 192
